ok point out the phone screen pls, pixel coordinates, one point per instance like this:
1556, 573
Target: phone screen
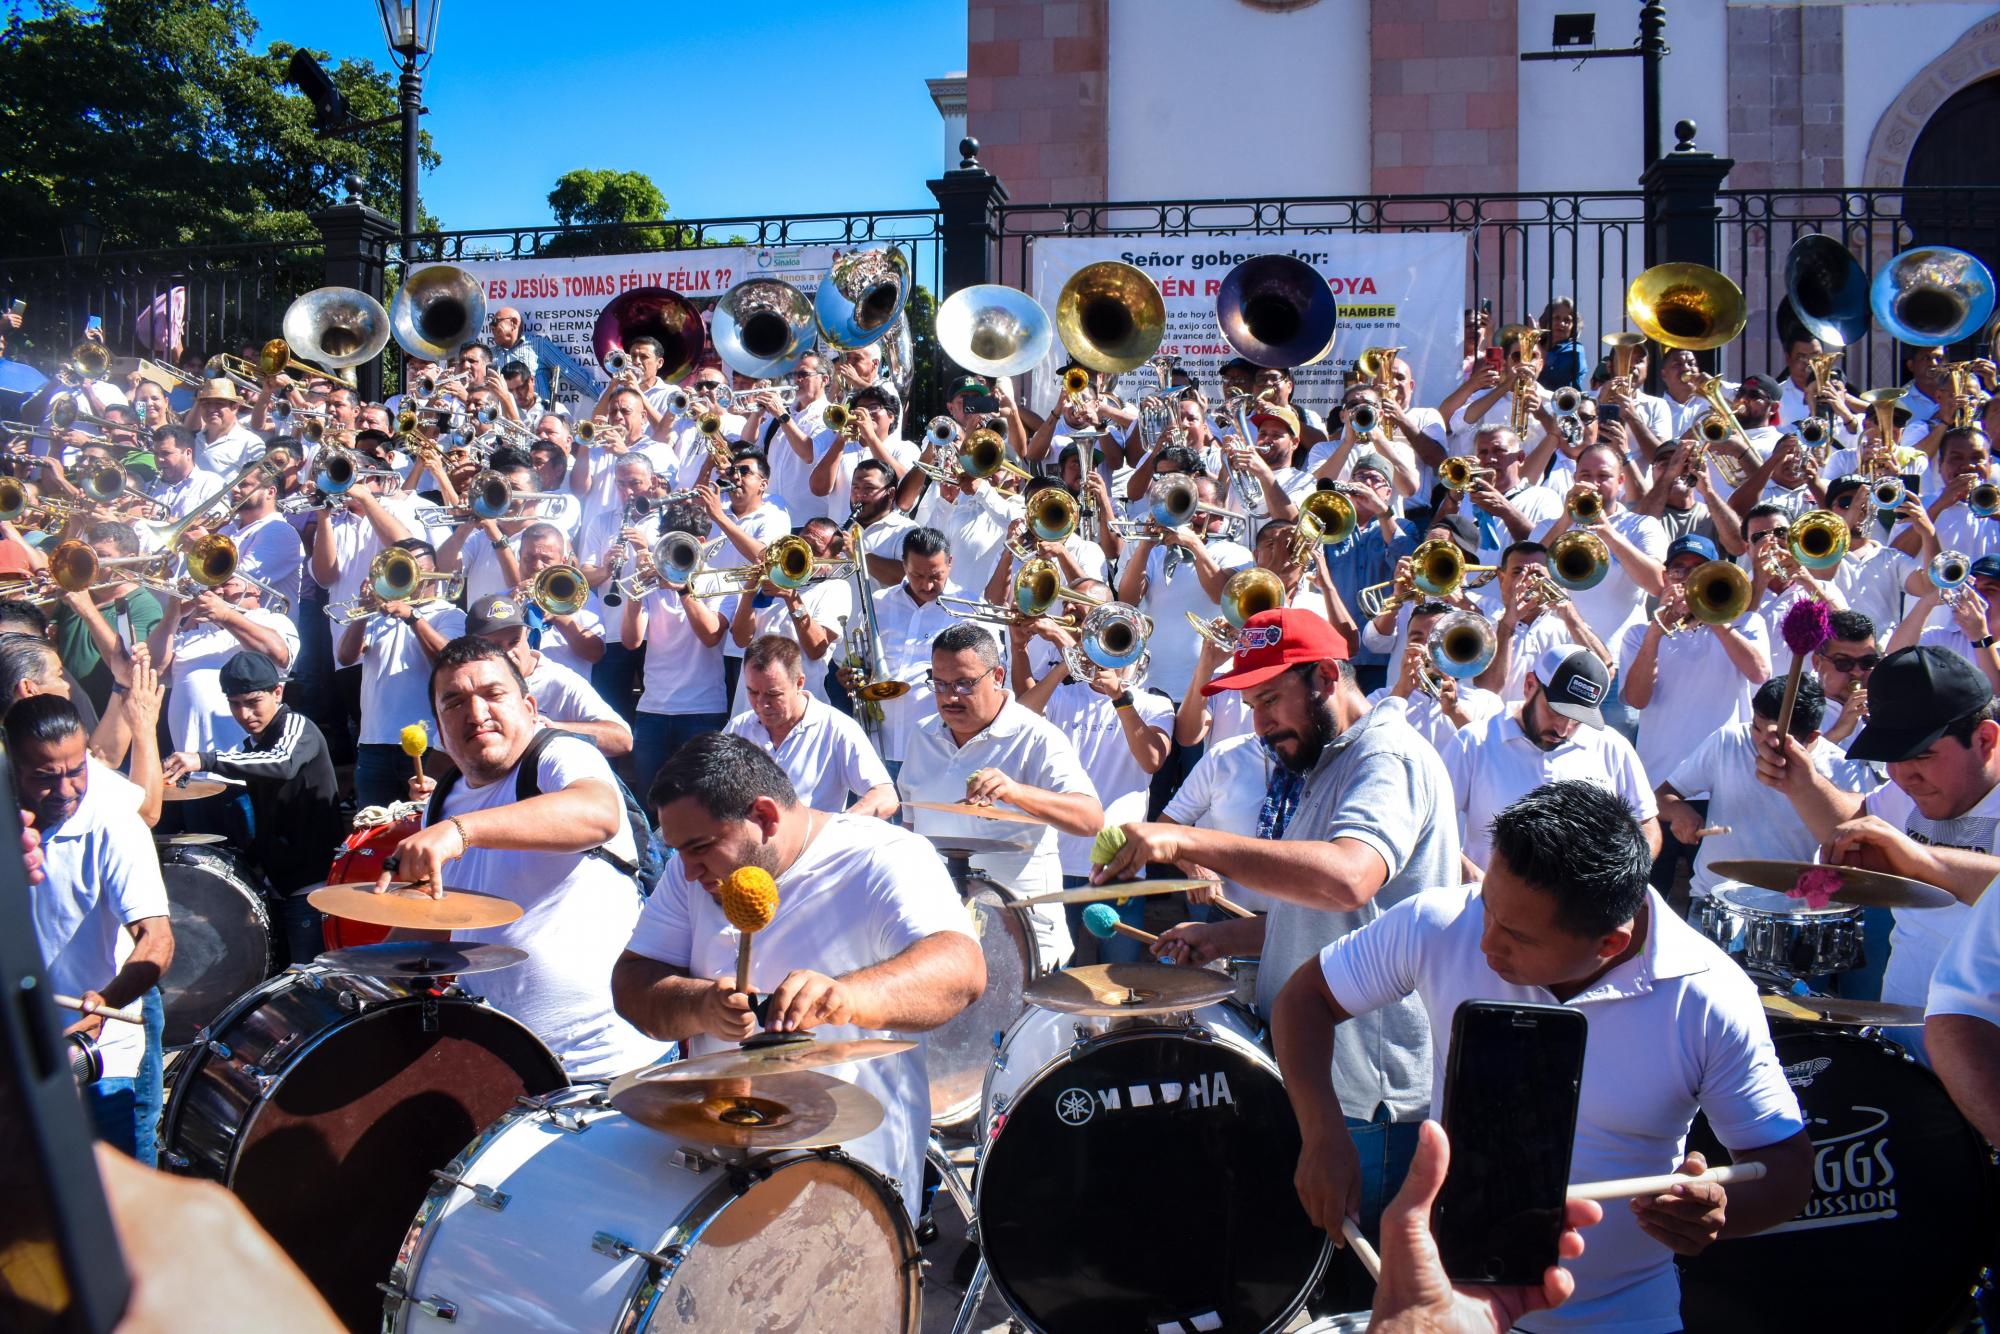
1611, 412
1510, 1113
1496, 357
982, 403
95, 324
19, 307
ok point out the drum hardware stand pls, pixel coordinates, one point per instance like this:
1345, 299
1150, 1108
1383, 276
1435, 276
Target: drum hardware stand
947, 1171
666, 1262
436, 1307
975, 1293
496, 1200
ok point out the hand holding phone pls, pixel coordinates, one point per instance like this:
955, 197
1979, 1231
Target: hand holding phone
1611, 412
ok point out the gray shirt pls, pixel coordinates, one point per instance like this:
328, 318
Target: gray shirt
1380, 782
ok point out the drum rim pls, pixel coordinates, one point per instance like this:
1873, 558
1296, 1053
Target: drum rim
260, 912
1844, 912
964, 1113
1132, 1030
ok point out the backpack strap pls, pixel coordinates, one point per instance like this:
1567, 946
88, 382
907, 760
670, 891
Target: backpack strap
527, 784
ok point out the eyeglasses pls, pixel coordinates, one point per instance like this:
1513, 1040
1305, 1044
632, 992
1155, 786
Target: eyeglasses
1841, 662
707, 386
747, 470
1779, 533
1259, 636
962, 689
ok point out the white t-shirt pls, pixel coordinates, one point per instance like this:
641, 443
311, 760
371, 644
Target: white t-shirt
101, 875
396, 674
976, 526
578, 911
589, 623
1494, 764
767, 523
1616, 599
563, 696
683, 675
1028, 749
270, 550
1696, 689
1967, 980
198, 716
1871, 580
790, 474
356, 544
1762, 824
826, 755
1423, 713
1090, 721
230, 452
1772, 611
859, 894
1225, 791
1921, 935
1167, 597
841, 499
906, 630
1673, 1030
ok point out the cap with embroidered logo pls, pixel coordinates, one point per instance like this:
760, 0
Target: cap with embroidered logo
1574, 683
1271, 641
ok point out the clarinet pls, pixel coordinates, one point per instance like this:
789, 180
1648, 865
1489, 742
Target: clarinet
634, 511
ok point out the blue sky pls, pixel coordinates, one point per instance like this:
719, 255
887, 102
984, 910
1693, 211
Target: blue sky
732, 109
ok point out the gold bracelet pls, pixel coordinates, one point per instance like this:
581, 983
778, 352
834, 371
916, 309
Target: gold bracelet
464, 841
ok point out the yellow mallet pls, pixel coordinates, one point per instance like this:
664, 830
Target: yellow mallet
417, 740
749, 901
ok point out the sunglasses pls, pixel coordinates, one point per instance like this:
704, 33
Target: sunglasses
707, 386
1841, 662
747, 470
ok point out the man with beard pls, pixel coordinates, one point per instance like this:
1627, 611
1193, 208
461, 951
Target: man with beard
869, 939
1356, 819
100, 912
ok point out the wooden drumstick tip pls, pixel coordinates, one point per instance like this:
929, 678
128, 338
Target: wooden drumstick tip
1370, 1261
82, 1006
1625, 1188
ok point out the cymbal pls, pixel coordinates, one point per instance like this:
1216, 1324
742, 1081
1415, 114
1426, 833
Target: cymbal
421, 958
1840, 1010
409, 905
1129, 889
1128, 988
187, 840
956, 846
772, 1060
1859, 887
194, 789
805, 1110
1006, 813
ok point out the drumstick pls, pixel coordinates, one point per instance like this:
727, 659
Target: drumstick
1712, 830
1230, 907
1631, 1187
1101, 920
1363, 1252
91, 1007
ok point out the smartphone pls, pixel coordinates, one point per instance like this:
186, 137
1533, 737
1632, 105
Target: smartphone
93, 325
1486, 305
1496, 358
19, 307
1611, 412
62, 1268
1510, 1093
982, 403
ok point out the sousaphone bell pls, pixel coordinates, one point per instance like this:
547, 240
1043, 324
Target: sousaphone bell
439, 310
651, 312
1827, 290
762, 328
1111, 316
1277, 311
1687, 306
989, 329
1932, 296
336, 327
861, 296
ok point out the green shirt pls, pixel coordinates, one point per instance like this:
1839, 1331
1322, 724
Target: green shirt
132, 617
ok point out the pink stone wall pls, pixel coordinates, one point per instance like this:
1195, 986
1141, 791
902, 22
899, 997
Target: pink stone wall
1445, 95
1035, 91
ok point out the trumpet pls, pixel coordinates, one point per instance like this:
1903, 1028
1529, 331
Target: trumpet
673, 563
1579, 560
1538, 590
1950, 573
788, 562
940, 432
1566, 402
1984, 500
1437, 569
1326, 518
559, 590
1365, 419
394, 576
1247, 593
492, 497
1075, 383
1718, 592
428, 386
734, 400
1819, 540
1459, 646
1459, 473
1887, 493
1585, 506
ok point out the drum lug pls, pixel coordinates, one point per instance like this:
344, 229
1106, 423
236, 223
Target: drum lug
219, 1050
496, 1200
436, 1307
568, 1120
347, 1000
690, 1161
429, 1013
606, 1244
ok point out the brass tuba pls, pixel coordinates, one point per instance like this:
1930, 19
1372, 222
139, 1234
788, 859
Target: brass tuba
1111, 316
1687, 306
336, 327
992, 330
762, 328
438, 311
1277, 311
650, 312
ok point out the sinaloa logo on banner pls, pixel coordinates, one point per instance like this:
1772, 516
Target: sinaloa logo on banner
559, 299
1395, 289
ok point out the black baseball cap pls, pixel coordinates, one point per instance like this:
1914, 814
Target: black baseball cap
495, 611
1574, 683
1766, 387
248, 672
1913, 697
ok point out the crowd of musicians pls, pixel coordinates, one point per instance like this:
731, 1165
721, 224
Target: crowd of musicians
1463, 688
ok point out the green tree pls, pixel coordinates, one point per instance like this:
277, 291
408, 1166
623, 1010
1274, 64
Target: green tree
159, 118
619, 202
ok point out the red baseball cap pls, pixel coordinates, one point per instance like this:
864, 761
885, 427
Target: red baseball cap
1300, 636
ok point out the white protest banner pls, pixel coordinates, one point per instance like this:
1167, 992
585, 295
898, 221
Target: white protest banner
1395, 289
559, 299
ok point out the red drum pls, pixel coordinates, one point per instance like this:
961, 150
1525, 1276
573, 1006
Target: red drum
360, 858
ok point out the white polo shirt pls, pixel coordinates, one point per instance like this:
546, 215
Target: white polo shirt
564, 696
683, 675
906, 630
1675, 1029
1762, 824
269, 549
767, 523
828, 602
1423, 713
840, 499
1226, 791
1959, 529
976, 525
183, 497
395, 673
101, 875
1616, 600
1967, 980
790, 473
1167, 597
1922, 935
859, 894
1871, 580
198, 716
1090, 721
1494, 764
1696, 689
826, 755
1772, 611
356, 543
1028, 749
228, 453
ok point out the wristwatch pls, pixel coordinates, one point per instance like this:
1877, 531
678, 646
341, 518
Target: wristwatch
1123, 700
502, 543
1987, 642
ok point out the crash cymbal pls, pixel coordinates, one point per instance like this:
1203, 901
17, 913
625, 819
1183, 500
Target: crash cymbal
805, 1110
773, 1059
1840, 1010
957, 847
421, 958
1127, 989
412, 905
1859, 887
1129, 889
187, 840
1007, 813
192, 789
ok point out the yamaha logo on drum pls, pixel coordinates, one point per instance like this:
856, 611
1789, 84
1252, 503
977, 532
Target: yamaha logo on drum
1076, 1106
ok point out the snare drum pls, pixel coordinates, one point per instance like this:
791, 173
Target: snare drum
956, 1056
565, 1214
1771, 933
222, 937
1902, 1212
1087, 1123
325, 1102
360, 858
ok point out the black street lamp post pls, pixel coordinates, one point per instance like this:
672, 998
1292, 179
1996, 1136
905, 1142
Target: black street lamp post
410, 28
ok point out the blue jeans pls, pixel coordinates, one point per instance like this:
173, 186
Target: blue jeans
1865, 982
1118, 949
656, 736
126, 1111
1619, 715
297, 933
1385, 1149
382, 774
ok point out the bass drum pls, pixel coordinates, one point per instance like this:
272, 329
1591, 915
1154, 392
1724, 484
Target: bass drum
547, 1221
222, 937
325, 1102
1901, 1217
1086, 1123
360, 858
957, 1056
